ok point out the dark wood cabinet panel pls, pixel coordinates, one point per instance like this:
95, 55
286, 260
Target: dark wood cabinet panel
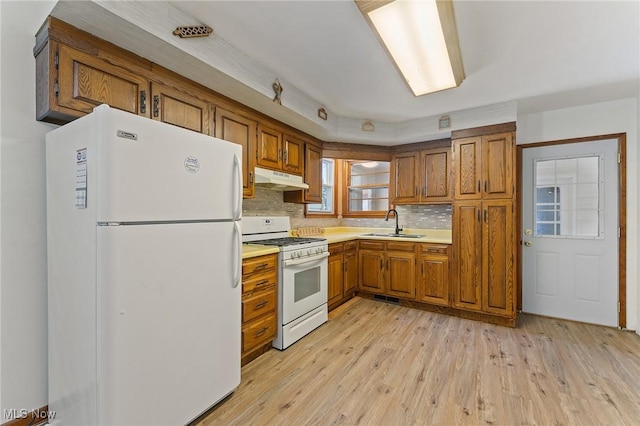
467, 167
497, 166
235, 128
433, 282
180, 109
370, 271
293, 150
467, 240
498, 264
335, 274
269, 151
405, 178
436, 175
80, 82
312, 177
350, 260
401, 277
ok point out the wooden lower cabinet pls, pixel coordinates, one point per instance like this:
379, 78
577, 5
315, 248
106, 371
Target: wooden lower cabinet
259, 305
387, 268
343, 270
433, 274
483, 238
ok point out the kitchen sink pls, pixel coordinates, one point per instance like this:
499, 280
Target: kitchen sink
395, 235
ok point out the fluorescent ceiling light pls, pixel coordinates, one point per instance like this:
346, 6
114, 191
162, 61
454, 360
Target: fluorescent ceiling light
421, 38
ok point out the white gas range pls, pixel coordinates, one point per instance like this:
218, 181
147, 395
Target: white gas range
302, 276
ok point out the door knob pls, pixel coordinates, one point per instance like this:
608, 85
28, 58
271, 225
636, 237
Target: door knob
528, 232
528, 243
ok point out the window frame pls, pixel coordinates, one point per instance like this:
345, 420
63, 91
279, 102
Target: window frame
336, 189
345, 192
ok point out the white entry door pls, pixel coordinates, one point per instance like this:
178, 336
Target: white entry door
570, 231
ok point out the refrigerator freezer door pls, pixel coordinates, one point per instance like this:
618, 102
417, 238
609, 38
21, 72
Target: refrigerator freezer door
168, 321
152, 171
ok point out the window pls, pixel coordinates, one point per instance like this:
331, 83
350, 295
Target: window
361, 186
366, 188
568, 197
328, 189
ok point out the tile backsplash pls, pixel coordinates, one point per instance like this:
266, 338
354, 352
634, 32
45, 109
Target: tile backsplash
269, 203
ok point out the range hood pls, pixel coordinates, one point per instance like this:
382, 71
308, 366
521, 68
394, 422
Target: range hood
279, 181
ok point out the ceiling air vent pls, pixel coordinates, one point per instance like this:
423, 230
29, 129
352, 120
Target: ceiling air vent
194, 31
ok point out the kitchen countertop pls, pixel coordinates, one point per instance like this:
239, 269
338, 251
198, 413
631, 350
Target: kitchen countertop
340, 234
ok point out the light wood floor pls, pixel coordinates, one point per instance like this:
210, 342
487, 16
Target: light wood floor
380, 364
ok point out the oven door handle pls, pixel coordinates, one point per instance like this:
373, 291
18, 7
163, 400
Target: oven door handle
303, 260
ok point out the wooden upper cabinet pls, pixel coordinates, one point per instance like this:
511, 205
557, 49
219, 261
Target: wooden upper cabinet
172, 106
498, 162
405, 178
467, 168
312, 177
483, 167
269, 150
70, 83
238, 129
436, 175
292, 153
421, 176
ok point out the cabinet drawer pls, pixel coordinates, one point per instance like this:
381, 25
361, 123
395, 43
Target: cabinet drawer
259, 332
336, 248
259, 282
372, 245
258, 304
350, 245
400, 246
259, 264
435, 249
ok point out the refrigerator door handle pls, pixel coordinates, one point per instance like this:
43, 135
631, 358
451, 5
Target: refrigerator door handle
237, 261
237, 192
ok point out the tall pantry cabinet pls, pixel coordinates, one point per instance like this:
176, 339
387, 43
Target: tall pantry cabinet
483, 223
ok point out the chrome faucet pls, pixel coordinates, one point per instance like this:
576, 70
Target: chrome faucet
386, 218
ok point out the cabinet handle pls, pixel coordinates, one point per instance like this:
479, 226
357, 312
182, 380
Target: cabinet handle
345, 267
279, 154
433, 250
261, 266
260, 305
485, 186
143, 101
261, 332
286, 156
156, 105
424, 191
485, 216
478, 185
422, 268
381, 264
250, 178
478, 215
387, 264
263, 282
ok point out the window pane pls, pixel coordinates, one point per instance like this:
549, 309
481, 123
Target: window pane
368, 205
359, 193
568, 197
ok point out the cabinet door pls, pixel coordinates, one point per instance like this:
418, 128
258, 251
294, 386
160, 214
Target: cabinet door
85, 82
404, 178
370, 271
401, 274
498, 265
313, 173
467, 168
497, 166
350, 272
238, 129
467, 241
433, 284
293, 150
335, 275
435, 166
180, 109
269, 148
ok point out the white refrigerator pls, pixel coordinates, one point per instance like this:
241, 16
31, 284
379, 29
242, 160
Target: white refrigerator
144, 268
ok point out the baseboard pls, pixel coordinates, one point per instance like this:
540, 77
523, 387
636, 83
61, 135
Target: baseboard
35, 417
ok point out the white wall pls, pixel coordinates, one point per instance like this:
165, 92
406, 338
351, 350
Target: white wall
599, 119
23, 285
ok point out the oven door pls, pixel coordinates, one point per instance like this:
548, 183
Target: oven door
304, 285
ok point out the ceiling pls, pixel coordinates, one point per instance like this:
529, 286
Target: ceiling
519, 57
511, 50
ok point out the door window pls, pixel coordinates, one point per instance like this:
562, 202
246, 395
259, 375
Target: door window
568, 197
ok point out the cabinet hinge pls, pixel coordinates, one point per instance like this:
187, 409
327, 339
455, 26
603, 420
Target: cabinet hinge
56, 88
618, 307
619, 232
56, 59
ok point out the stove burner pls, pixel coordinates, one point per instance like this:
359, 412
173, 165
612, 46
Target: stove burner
286, 241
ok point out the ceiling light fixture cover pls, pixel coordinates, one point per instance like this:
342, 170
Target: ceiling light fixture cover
421, 38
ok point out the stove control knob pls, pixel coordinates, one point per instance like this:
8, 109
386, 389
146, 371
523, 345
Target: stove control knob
308, 252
